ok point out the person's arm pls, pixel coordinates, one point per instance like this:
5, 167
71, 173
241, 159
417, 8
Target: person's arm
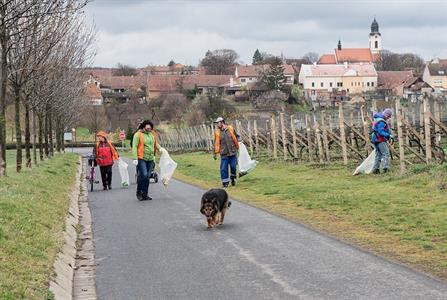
381, 130
135, 141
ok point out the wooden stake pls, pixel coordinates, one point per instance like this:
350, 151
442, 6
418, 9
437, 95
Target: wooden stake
283, 135
427, 130
255, 126
292, 126
318, 138
341, 119
400, 135
250, 141
365, 130
274, 138
269, 137
325, 139
309, 139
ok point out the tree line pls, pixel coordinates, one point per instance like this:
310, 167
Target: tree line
44, 47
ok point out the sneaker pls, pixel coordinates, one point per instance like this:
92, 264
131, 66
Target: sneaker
110, 187
139, 195
376, 171
233, 181
104, 188
386, 170
225, 185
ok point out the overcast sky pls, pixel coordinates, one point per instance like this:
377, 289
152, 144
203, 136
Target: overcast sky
142, 32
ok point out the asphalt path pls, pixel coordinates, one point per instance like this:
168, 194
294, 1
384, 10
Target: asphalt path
161, 249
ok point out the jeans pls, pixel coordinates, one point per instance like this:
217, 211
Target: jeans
106, 175
145, 168
382, 152
224, 162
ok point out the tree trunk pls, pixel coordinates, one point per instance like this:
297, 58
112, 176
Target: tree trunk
45, 132
34, 138
27, 134
17, 93
3, 83
50, 132
58, 135
41, 132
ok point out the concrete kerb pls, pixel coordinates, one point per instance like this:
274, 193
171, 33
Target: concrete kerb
72, 259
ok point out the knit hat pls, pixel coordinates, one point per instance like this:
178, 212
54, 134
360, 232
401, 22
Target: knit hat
102, 133
387, 112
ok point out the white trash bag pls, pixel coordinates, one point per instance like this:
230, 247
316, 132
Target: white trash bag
366, 167
124, 173
167, 167
246, 164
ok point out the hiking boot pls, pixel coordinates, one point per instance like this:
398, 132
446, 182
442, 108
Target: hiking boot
139, 195
145, 197
376, 171
233, 181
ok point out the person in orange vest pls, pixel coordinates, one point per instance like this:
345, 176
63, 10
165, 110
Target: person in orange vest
226, 144
144, 149
105, 154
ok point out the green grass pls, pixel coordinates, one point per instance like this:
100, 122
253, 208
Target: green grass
400, 216
33, 208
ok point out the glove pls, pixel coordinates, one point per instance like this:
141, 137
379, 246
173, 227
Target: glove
135, 162
214, 156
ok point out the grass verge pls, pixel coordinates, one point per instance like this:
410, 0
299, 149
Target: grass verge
33, 208
401, 217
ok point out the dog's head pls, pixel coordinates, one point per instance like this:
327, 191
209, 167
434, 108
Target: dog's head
209, 207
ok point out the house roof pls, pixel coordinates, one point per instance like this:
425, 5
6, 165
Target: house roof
327, 59
254, 70
354, 55
171, 83
92, 91
392, 79
438, 69
364, 70
123, 82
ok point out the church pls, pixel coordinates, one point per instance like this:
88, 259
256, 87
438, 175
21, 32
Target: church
357, 55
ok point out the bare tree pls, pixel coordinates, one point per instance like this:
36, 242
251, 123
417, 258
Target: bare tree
124, 70
220, 62
311, 57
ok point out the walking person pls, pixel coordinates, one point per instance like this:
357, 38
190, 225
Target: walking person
144, 149
380, 137
226, 144
105, 154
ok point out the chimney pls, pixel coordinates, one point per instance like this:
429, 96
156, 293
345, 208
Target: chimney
339, 45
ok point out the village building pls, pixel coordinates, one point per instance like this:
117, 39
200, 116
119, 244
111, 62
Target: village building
435, 74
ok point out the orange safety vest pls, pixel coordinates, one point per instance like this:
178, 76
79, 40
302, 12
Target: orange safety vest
140, 147
233, 137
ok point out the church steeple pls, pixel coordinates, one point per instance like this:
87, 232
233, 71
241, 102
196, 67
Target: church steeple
339, 45
375, 38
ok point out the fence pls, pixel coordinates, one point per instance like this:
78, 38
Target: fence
341, 134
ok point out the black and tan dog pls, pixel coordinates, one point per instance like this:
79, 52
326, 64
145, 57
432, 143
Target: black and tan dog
214, 206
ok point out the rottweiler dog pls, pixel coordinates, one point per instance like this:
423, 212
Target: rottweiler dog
214, 206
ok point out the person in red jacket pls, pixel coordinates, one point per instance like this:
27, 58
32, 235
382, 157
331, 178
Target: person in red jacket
106, 154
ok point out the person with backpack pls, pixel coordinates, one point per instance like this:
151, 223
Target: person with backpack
105, 154
381, 134
227, 145
144, 149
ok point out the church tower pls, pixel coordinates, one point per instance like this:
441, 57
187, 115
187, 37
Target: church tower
375, 38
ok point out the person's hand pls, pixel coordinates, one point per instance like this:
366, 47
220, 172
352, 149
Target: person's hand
163, 150
135, 162
391, 140
214, 156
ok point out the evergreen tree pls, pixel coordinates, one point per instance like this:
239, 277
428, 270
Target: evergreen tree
257, 57
274, 77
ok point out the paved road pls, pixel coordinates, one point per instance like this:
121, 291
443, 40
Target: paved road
161, 249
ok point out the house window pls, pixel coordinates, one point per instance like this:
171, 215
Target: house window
330, 84
340, 84
347, 90
376, 44
367, 84
313, 84
372, 83
243, 79
352, 83
250, 78
321, 84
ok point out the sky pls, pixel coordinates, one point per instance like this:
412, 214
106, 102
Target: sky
150, 32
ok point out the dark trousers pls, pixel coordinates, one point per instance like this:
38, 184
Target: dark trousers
226, 161
106, 175
145, 168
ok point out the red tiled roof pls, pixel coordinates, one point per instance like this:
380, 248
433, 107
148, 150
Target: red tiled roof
327, 59
392, 79
123, 82
171, 83
354, 55
366, 70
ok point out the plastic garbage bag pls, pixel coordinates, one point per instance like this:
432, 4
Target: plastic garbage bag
124, 173
367, 165
167, 167
246, 164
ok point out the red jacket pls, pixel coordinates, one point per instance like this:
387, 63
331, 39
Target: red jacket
105, 154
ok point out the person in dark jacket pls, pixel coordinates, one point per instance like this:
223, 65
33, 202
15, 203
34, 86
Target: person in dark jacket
226, 144
380, 136
105, 154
